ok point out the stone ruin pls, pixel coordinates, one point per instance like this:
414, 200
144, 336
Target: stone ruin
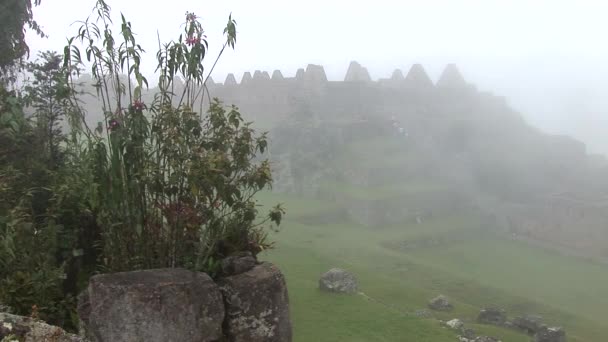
357, 73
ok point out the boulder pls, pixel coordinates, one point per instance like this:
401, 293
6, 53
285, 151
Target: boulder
152, 305
238, 263
529, 324
440, 303
550, 334
338, 280
26, 329
492, 316
486, 339
257, 305
455, 324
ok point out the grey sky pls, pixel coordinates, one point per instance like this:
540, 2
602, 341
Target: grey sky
549, 58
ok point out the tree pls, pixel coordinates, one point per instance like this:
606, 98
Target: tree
48, 94
15, 16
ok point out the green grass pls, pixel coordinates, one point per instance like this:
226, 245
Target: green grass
471, 265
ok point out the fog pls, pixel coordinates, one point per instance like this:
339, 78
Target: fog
546, 57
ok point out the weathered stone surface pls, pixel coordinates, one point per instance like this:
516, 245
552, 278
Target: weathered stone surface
493, 316
550, 334
152, 305
338, 280
238, 263
30, 330
257, 306
530, 324
440, 303
230, 80
357, 73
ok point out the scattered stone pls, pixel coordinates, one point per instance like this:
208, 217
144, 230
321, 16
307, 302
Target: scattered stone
440, 303
478, 339
238, 263
455, 324
486, 339
257, 306
530, 324
550, 334
492, 316
338, 280
153, 306
468, 333
423, 313
26, 329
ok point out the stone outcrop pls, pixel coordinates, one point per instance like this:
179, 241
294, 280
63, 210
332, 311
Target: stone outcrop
27, 329
494, 316
152, 305
339, 281
257, 306
550, 334
357, 73
529, 324
440, 303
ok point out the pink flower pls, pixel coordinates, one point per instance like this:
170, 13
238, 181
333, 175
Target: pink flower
192, 40
113, 124
138, 105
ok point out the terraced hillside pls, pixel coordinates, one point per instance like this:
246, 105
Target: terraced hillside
402, 266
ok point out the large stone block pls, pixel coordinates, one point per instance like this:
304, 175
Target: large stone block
152, 305
257, 306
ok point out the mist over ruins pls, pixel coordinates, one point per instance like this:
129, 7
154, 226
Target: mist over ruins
468, 149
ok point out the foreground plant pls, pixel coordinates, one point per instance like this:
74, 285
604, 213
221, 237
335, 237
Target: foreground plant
170, 187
